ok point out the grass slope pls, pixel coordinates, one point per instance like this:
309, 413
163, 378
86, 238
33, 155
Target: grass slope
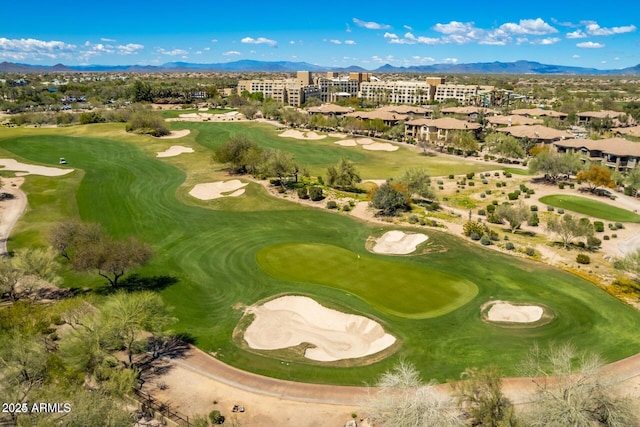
212, 249
590, 207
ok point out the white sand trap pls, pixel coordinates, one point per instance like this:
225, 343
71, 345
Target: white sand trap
292, 320
364, 141
23, 169
175, 150
347, 143
292, 133
398, 242
506, 312
176, 134
215, 190
337, 135
380, 146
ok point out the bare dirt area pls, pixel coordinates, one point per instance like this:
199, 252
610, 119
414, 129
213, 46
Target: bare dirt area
291, 320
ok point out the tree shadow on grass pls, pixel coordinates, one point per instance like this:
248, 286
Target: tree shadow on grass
135, 283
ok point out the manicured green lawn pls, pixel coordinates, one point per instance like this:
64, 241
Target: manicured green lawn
590, 207
410, 291
214, 250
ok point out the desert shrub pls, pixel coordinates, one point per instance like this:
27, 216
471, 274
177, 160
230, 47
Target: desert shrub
320, 180
530, 251
619, 226
550, 208
482, 195
331, 204
481, 212
533, 220
303, 193
598, 226
572, 185
561, 211
498, 185
614, 236
472, 184
216, 417
491, 208
561, 185
493, 236
473, 227
508, 175
484, 181
347, 207
593, 242
315, 194
485, 241
605, 237
147, 122
423, 222
440, 182
534, 208
413, 219
509, 246
583, 259
440, 187
488, 192
451, 176
628, 191
496, 174
513, 196
474, 236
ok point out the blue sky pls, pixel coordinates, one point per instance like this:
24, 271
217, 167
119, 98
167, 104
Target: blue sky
368, 34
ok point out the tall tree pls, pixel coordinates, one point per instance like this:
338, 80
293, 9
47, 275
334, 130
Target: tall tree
514, 215
418, 183
390, 198
569, 227
343, 175
505, 145
596, 176
236, 152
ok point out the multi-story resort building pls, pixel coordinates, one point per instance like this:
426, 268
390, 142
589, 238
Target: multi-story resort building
332, 87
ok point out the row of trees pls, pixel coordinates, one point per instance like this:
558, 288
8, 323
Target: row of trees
568, 389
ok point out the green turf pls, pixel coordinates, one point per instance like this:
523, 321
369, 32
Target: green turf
590, 207
415, 292
212, 248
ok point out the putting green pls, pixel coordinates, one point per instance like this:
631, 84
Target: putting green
590, 207
404, 290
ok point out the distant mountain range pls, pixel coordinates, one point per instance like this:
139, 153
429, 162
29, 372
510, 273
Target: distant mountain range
517, 67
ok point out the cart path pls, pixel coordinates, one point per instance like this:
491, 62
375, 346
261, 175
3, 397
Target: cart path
518, 390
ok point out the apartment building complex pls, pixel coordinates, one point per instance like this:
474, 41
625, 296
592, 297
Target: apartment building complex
332, 87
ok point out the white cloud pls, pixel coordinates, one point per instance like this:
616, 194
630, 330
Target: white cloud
106, 40
20, 49
596, 30
371, 25
575, 56
454, 27
409, 38
390, 36
129, 48
259, 40
616, 58
546, 41
231, 52
207, 49
292, 42
335, 41
577, 34
349, 42
214, 40
174, 52
536, 27
450, 60
422, 59
198, 52
590, 45
376, 58
348, 29
408, 27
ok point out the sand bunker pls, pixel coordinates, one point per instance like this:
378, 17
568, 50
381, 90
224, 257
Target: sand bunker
175, 150
176, 134
398, 243
505, 312
291, 133
292, 320
347, 143
23, 169
380, 146
337, 135
215, 190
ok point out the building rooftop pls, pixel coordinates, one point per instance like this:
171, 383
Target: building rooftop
448, 123
536, 132
513, 120
538, 112
616, 146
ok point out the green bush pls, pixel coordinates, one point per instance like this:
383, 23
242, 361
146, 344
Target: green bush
347, 207
423, 222
534, 208
315, 193
533, 220
593, 242
482, 195
513, 196
440, 182
530, 251
488, 192
605, 237
561, 211
470, 175
498, 185
413, 219
491, 208
451, 176
473, 227
583, 259
598, 226
482, 212
496, 174
474, 236
509, 246
331, 204
303, 193
619, 226
485, 241
561, 185
614, 236
216, 417
484, 181
472, 184
550, 208
320, 180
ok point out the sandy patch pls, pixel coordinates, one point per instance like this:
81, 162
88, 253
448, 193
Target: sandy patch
398, 242
347, 143
292, 320
337, 135
175, 150
292, 133
380, 146
364, 141
176, 134
23, 169
505, 312
215, 190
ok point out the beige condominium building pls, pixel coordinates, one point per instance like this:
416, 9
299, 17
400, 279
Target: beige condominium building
331, 87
